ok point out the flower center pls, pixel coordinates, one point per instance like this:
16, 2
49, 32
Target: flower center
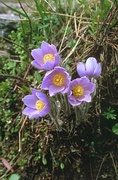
40, 105
58, 80
78, 91
48, 57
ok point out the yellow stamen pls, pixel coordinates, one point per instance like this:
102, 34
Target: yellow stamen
48, 57
40, 105
58, 79
78, 91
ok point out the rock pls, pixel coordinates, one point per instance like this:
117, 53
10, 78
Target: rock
8, 22
5, 10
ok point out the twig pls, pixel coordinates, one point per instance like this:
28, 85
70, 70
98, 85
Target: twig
27, 71
64, 35
20, 133
30, 36
101, 166
115, 168
75, 23
71, 52
12, 42
111, 14
11, 76
30, 24
91, 172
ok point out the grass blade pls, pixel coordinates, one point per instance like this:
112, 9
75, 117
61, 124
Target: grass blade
39, 8
15, 10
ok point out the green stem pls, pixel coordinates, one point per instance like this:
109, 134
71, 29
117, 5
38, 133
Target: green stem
77, 115
67, 105
55, 122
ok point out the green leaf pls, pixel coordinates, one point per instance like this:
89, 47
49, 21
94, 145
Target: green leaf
110, 113
115, 128
14, 177
39, 8
62, 165
44, 160
37, 76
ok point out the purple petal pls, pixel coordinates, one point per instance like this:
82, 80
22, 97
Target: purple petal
54, 48
65, 90
44, 45
46, 48
74, 102
90, 87
42, 97
49, 65
86, 84
84, 80
54, 90
97, 71
91, 64
47, 81
32, 113
57, 60
87, 97
60, 69
35, 64
34, 91
45, 111
51, 49
30, 101
37, 55
81, 69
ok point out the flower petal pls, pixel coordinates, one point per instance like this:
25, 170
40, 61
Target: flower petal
34, 91
30, 101
63, 77
74, 102
87, 97
53, 48
97, 71
91, 64
57, 60
74, 97
45, 64
49, 65
32, 113
47, 81
35, 64
37, 55
48, 48
45, 111
42, 97
81, 69
90, 69
54, 90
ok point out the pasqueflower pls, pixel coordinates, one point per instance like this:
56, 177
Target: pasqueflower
80, 90
37, 104
56, 80
90, 69
46, 57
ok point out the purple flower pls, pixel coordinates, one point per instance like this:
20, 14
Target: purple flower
90, 69
56, 80
37, 104
80, 90
46, 57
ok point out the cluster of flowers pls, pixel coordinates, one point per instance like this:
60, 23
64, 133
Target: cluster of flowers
57, 80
